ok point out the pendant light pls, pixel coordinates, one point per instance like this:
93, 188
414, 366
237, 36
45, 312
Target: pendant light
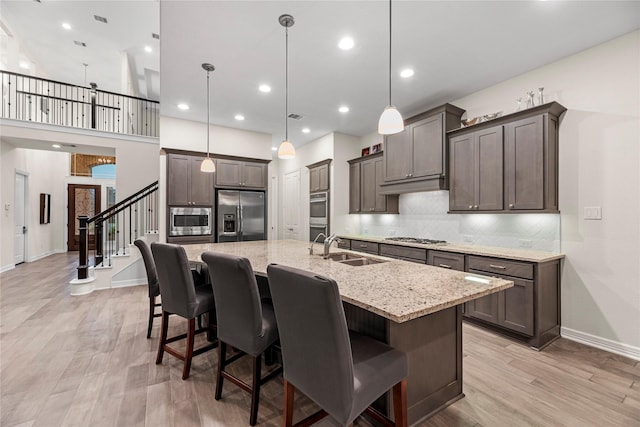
207, 164
390, 120
286, 149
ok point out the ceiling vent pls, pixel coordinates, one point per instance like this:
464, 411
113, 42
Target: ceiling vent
100, 18
77, 43
155, 36
295, 116
39, 1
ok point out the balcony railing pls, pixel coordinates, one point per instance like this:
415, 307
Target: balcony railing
39, 100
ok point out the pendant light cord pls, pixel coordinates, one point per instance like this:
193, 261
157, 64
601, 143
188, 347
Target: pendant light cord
208, 113
286, 84
389, 52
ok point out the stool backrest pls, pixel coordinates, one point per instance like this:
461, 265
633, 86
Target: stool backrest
316, 349
238, 307
150, 267
174, 277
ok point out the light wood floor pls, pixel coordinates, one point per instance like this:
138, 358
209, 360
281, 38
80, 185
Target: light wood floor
85, 361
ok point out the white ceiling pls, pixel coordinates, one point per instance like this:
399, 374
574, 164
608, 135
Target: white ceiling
455, 48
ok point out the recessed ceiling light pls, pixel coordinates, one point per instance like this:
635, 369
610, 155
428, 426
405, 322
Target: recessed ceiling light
264, 88
306, 130
148, 49
66, 26
239, 117
343, 109
406, 73
183, 106
57, 146
346, 43
274, 148
24, 64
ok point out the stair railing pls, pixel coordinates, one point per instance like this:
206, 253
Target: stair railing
117, 227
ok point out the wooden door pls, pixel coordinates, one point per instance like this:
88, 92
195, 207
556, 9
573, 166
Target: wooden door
354, 188
291, 205
254, 175
524, 167
83, 200
395, 156
427, 145
462, 182
489, 160
200, 184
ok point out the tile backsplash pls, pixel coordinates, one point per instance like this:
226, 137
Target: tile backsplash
425, 215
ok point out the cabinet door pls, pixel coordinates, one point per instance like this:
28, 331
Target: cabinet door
354, 188
427, 145
524, 168
484, 308
228, 172
253, 175
314, 179
446, 260
200, 184
380, 204
368, 186
395, 156
489, 159
515, 307
462, 182
323, 178
178, 174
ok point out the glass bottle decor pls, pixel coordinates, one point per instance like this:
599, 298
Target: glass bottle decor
519, 101
540, 96
530, 102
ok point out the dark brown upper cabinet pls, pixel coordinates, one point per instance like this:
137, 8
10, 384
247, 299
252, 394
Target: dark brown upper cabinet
186, 185
319, 176
365, 177
509, 164
241, 174
417, 158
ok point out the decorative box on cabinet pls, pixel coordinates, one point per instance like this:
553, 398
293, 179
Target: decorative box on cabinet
186, 185
241, 173
365, 177
417, 159
319, 176
526, 143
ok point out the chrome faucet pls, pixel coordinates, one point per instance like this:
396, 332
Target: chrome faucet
314, 241
327, 243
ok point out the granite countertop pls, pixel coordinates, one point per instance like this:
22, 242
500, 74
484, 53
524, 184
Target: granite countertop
492, 251
397, 290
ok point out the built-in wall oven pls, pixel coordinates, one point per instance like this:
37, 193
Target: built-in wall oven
189, 221
318, 215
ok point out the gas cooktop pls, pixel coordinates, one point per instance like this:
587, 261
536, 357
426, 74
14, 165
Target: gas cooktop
416, 240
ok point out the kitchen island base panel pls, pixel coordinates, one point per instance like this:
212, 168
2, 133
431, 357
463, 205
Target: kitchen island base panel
433, 345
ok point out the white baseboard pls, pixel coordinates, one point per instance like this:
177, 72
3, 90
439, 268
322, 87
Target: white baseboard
46, 254
7, 267
611, 346
128, 282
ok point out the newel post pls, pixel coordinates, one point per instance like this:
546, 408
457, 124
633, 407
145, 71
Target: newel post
83, 265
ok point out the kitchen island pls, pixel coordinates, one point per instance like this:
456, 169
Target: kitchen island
415, 308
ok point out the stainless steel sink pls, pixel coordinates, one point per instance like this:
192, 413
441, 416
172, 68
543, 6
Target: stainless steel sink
355, 260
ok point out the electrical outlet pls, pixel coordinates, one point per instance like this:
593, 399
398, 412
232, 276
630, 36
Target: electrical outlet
526, 243
593, 212
365, 231
467, 238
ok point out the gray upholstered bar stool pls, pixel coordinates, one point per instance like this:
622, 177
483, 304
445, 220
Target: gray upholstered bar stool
152, 281
180, 297
243, 320
341, 371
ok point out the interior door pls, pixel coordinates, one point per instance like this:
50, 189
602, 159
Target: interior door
291, 205
20, 234
83, 200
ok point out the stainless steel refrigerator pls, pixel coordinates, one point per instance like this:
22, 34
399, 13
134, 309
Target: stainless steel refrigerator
241, 215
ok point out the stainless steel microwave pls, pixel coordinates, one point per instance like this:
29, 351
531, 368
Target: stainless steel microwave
189, 221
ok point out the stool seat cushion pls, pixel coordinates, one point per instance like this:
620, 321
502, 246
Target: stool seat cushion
204, 300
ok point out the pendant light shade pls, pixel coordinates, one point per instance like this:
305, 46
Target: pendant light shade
391, 121
207, 164
286, 149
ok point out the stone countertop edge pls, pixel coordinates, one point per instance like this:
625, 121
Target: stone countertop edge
491, 251
397, 290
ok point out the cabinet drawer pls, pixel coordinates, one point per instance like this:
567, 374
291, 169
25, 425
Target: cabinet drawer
412, 254
446, 260
501, 266
344, 244
362, 246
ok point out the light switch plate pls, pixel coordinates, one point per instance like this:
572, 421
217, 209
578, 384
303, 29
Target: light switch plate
525, 243
592, 212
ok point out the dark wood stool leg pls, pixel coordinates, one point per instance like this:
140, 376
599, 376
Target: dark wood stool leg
255, 389
163, 336
191, 335
152, 309
287, 412
400, 403
222, 354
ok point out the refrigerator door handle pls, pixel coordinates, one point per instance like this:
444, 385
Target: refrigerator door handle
239, 216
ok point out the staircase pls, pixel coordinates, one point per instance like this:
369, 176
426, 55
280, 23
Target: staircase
114, 260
